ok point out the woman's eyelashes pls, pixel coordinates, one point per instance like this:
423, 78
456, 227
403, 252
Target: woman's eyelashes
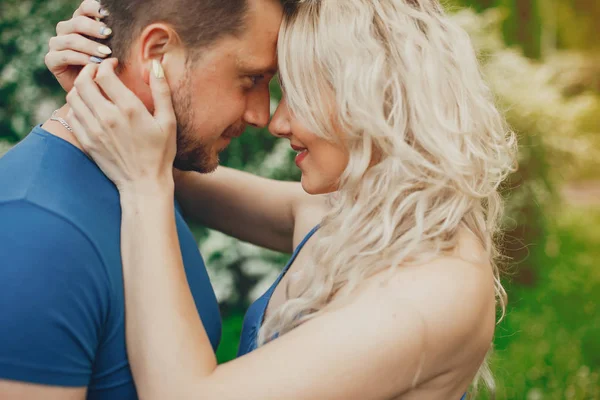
256, 79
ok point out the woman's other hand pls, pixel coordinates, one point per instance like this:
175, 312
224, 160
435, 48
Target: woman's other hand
70, 49
134, 148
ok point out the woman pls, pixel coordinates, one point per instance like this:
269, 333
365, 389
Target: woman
394, 296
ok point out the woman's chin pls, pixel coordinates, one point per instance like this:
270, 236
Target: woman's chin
314, 188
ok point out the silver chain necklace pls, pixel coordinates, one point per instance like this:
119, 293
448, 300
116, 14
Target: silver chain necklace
64, 123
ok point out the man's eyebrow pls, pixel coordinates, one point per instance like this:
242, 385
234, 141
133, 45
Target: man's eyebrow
267, 70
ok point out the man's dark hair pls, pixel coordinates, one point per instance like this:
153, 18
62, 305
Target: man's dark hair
199, 23
290, 7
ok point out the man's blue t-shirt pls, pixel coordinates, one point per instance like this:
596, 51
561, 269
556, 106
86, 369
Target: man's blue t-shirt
61, 287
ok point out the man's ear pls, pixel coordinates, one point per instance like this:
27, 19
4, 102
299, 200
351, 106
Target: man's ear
159, 41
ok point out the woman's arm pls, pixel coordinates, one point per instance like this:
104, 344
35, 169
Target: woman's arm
344, 355
377, 347
393, 335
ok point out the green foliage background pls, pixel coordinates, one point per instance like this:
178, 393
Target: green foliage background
542, 59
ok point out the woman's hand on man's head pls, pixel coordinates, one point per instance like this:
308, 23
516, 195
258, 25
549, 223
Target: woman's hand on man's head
73, 46
134, 148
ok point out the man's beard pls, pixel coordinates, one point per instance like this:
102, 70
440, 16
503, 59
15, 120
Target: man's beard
192, 153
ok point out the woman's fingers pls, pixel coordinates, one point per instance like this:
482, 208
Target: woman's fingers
71, 47
84, 26
79, 131
89, 8
79, 44
82, 113
161, 94
102, 109
58, 59
115, 89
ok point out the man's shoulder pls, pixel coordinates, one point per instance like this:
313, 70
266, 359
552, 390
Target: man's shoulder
51, 191
27, 225
42, 233
46, 172
18, 167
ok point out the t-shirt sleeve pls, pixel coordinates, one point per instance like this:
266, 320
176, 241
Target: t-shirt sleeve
54, 298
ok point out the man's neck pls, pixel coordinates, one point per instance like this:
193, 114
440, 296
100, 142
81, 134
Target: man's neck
57, 129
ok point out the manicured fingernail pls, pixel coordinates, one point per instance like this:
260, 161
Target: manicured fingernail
104, 12
104, 50
105, 31
95, 59
158, 69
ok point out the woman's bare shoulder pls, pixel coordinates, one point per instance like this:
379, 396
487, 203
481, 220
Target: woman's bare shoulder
450, 299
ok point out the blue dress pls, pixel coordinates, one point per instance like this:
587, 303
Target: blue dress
256, 312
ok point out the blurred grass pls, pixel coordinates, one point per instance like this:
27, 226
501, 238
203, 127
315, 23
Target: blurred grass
548, 345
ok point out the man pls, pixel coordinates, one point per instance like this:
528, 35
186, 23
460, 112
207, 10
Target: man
61, 290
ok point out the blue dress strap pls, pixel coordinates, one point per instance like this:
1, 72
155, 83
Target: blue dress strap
288, 266
256, 312
306, 238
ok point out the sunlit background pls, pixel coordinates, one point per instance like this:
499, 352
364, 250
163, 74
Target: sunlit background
542, 59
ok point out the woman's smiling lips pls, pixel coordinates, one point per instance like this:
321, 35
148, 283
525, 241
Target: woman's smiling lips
302, 153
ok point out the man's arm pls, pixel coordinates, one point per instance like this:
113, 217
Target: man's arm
251, 208
13, 390
53, 302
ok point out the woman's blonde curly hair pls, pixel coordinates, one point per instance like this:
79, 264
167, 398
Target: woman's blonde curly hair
428, 149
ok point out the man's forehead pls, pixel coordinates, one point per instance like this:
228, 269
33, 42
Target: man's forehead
260, 55
258, 50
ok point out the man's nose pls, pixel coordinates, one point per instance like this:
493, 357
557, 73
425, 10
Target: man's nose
258, 109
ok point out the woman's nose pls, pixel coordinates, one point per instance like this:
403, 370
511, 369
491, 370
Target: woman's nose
280, 125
